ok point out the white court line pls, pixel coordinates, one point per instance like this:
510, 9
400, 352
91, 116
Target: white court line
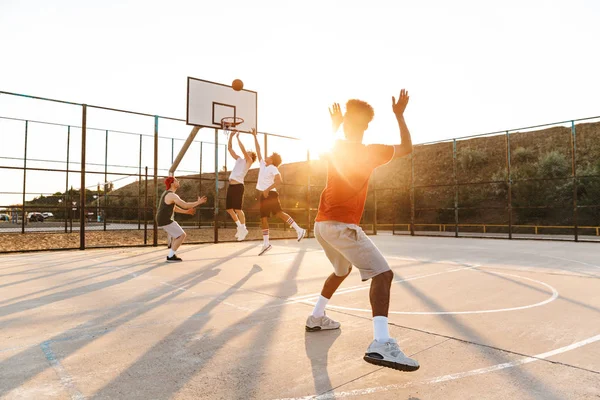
306, 299
568, 259
450, 377
541, 303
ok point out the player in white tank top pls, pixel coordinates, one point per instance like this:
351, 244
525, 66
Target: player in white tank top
235, 191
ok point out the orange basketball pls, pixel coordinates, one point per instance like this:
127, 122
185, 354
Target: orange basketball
237, 84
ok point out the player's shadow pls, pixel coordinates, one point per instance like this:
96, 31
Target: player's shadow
317, 345
538, 289
519, 375
120, 314
198, 357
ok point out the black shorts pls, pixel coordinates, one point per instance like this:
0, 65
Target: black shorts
269, 205
235, 197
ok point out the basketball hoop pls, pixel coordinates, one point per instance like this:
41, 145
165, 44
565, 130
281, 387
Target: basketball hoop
228, 123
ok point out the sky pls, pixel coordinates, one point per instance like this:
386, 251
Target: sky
470, 67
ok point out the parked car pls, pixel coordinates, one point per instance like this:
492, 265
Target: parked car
47, 215
4, 218
35, 217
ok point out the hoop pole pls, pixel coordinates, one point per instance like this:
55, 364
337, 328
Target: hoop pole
183, 150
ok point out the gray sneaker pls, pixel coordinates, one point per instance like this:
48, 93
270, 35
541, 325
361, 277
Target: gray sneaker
265, 249
389, 355
314, 324
301, 234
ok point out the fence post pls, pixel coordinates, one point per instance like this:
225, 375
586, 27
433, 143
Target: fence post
154, 205
308, 192
412, 193
374, 211
67, 200
139, 187
574, 178
216, 202
82, 211
200, 189
509, 183
455, 171
24, 178
146, 208
105, 213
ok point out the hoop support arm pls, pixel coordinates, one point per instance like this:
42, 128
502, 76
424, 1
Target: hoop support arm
184, 149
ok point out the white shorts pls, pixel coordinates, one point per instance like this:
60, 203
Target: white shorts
173, 230
346, 245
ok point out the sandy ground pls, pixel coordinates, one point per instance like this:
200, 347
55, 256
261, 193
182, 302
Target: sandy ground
46, 241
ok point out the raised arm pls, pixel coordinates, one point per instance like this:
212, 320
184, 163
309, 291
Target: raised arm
336, 117
405, 147
244, 152
230, 146
256, 145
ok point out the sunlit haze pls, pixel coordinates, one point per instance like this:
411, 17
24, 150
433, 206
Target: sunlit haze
470, 66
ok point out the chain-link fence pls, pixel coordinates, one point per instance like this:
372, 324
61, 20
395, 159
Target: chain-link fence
121, 158
539, 182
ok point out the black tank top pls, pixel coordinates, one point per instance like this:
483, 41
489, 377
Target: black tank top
164, 215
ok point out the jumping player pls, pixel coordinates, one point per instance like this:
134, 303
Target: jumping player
169, 204
349, 167
269, 178
235, 191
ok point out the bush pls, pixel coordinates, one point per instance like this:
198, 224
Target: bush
471, 158
522, 155
554, 165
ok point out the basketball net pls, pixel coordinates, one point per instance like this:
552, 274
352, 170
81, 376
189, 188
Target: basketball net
228, 124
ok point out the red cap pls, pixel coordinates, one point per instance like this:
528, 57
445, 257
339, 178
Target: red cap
169, 181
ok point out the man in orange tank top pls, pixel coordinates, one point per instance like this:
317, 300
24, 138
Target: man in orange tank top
349, 167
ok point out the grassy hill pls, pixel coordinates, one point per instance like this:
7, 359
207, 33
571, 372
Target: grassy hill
541, 170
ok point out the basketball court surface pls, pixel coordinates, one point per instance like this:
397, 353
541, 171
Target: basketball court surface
486, 319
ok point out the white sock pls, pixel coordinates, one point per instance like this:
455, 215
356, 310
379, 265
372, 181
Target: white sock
319, 310
238, 223
244, 226
293, 224
380, 329
171, 253
265, 237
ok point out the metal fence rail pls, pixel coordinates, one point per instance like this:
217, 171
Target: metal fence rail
488, 185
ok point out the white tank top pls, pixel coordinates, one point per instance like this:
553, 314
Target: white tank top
240, 169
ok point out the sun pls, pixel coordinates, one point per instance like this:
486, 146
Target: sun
320, 144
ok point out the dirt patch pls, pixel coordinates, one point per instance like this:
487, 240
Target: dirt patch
54, 241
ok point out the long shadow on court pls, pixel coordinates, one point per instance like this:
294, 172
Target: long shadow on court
538, 289
516, 374
317, 349
19, 366
172, 374
63, 271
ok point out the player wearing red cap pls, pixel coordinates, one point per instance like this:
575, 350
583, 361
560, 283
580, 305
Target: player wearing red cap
169, 204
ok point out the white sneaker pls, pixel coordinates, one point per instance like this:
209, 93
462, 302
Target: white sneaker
265, 249
314, 324
237, 232
301, 233
388, 354
242, 233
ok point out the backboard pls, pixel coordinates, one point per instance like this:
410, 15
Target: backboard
209, 102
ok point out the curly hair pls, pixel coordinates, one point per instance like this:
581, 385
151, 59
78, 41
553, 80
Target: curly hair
358, 107
276, 159
252, 155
